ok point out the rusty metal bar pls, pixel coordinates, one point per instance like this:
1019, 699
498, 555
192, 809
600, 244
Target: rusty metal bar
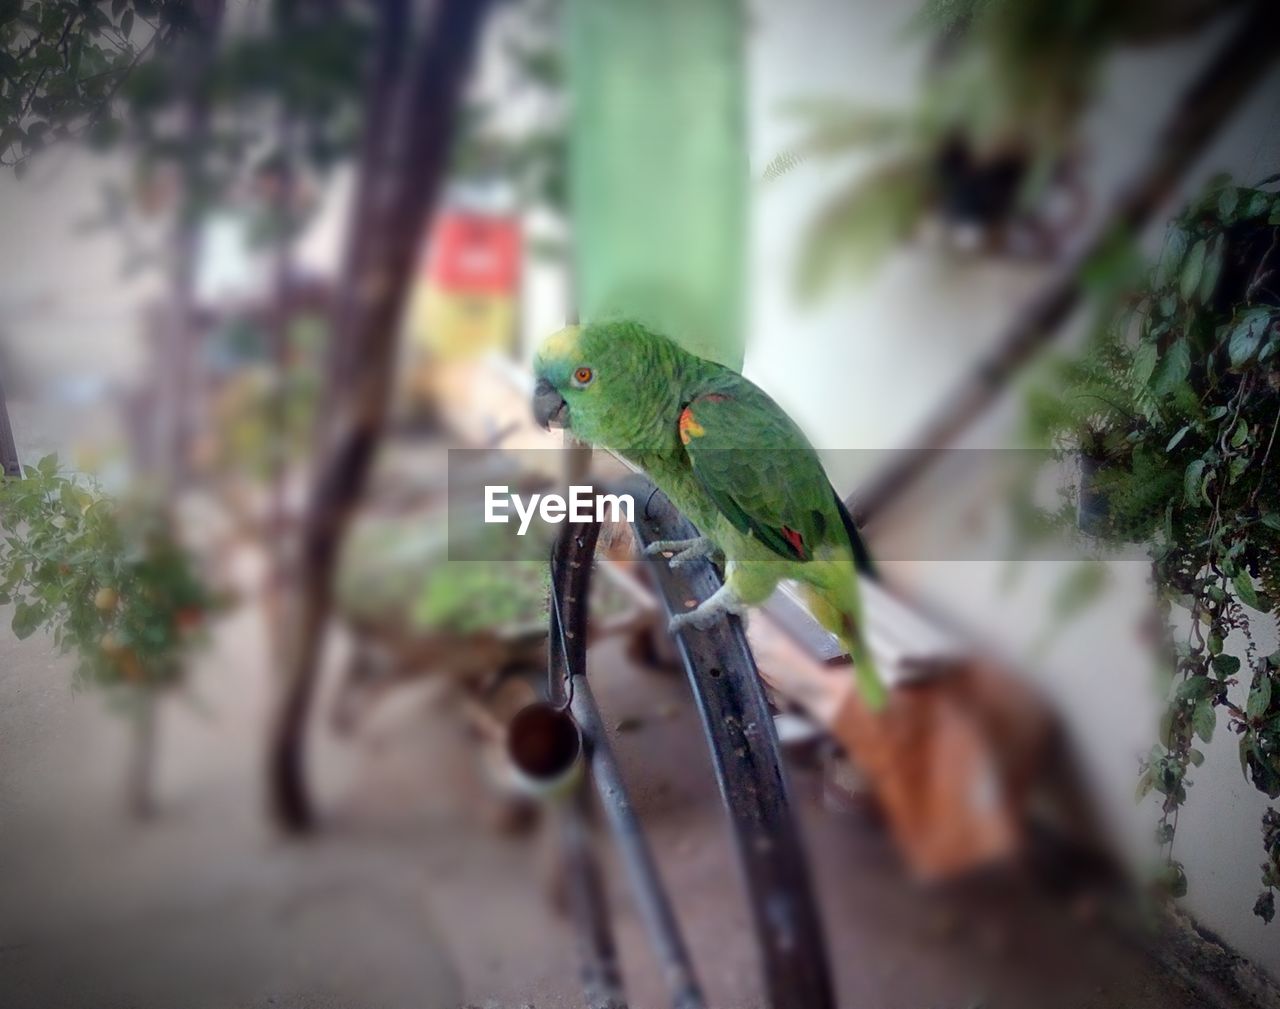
589, 909
739, 730
571, 578
744, 748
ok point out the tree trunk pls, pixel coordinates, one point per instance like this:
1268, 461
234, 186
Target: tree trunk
139, 783
279, 538
410, 118
176, 378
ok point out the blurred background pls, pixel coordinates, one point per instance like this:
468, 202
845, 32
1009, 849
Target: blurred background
267, 267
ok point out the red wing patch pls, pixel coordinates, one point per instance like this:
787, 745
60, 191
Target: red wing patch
689, 426
795, 539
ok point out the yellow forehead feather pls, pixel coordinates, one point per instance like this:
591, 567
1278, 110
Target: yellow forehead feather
560, 345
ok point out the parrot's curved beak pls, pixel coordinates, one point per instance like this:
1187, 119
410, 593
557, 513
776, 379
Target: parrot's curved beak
549, 408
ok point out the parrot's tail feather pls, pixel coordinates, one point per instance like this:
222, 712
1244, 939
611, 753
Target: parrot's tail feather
865, 671
861, 555
838, 611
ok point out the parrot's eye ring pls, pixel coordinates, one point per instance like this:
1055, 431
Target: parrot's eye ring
583, 376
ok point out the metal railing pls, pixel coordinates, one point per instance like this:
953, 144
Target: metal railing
738, 727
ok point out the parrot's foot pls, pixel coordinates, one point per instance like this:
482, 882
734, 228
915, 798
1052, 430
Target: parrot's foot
684, 550
722, 603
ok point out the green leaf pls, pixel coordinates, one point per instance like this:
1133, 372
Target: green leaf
27, 618
1173, 442
1271, 520
1191, 481
48, 466
1212, 269
1192, 269
126, 23
1197, 688
1175, 247
1196, 757
1244, 589
1226, 665
1144, 362
69, 497
1259, 202
1239, 435
1174, 369
1227, 201
1243, 343
862, 223
1204, 719
1145, 784
1259, 698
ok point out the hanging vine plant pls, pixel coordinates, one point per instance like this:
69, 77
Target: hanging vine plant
1173, 414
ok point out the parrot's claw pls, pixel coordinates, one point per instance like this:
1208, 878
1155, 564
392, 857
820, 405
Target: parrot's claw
693, 554
722, 603
670, 546
683, 551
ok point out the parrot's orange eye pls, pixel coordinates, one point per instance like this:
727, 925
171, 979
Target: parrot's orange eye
582, 376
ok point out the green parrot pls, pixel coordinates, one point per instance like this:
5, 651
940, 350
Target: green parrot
729, 458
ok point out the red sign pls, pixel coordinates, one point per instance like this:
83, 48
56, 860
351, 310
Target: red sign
474, 253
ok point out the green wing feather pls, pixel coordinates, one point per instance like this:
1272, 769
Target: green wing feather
765, 477
759, 469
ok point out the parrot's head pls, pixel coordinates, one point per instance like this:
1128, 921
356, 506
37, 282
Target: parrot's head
608, 383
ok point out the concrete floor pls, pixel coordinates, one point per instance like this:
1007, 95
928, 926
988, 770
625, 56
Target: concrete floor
409, 898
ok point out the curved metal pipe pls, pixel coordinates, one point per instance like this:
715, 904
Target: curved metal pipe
739, 729
571, 576
744, 749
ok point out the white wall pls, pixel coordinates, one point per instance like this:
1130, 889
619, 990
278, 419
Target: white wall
863, 369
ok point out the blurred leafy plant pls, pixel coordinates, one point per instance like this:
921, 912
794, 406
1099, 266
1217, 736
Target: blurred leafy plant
1173, 414
63, 63
399, 573
990, 135
533, 159
278, 95
111, 582
264, 417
